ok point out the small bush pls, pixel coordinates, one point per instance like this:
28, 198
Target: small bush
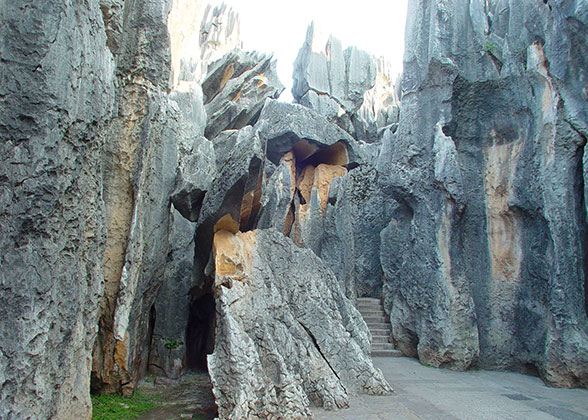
116, 407
491, 47
171, 344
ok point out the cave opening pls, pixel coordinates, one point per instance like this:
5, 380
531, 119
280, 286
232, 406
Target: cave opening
309, 154
150, 333
200, 331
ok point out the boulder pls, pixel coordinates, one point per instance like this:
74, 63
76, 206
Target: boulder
286, 335
285, 127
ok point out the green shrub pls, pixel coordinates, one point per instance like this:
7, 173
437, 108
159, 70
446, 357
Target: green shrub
491, 47
116, 407
171, 344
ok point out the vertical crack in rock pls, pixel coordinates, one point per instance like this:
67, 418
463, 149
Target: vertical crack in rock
319, 348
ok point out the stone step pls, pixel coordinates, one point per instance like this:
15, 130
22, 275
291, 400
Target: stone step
374, 319
376, 305
369, 303
380, 338
378, 326
371, 310
372, 313
382, 346
387, 353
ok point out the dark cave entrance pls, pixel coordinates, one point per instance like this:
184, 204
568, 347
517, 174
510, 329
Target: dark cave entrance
200, 331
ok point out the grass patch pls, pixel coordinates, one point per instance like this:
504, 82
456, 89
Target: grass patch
116, 407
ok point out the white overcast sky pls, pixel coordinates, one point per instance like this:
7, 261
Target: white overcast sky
376, 26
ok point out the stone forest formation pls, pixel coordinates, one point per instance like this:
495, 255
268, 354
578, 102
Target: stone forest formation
153, 190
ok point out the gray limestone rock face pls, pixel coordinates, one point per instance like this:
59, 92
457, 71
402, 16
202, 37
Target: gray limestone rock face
194, 178
484, 257
233, 200
380, 108
137, 196
57, 94
310, 153
286, 335
357, 211
335, 82
236, 88
196, 169
323, 67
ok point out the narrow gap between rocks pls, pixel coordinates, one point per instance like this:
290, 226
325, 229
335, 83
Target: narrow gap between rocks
200, 332
152, 319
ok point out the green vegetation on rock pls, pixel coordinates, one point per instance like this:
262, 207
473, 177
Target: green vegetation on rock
117, 407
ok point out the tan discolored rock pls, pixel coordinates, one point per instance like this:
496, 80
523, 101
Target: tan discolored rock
232, 255
503, 225
226, 223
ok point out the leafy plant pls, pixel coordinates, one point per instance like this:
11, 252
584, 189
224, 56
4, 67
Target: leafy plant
171, 344
117, 407
491, 47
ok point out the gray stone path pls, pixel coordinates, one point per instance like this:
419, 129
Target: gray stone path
424, 393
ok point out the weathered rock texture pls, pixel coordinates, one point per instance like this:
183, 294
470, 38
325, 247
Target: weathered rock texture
357, 93
380, 108
357, 211
139, 174
323, 68
333, 82
485, 255
310, 153
103, 132
57, 94
468, 213
286, 334
235, 90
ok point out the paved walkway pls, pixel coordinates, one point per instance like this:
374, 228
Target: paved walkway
424, 393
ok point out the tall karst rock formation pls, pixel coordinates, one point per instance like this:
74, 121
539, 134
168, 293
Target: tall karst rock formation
58, 96
162, 211
484, 257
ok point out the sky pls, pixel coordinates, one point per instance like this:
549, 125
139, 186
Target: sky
376, 26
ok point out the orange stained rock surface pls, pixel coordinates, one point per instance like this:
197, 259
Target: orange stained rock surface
320, 178
227, 223
232, 255
230, 70
261, 81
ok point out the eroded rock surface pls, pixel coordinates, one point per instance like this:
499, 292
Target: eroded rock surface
286, 334
57, 95
324, 68
236, 88
484, 258
140, 164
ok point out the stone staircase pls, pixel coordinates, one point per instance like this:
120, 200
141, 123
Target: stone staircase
373, 314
